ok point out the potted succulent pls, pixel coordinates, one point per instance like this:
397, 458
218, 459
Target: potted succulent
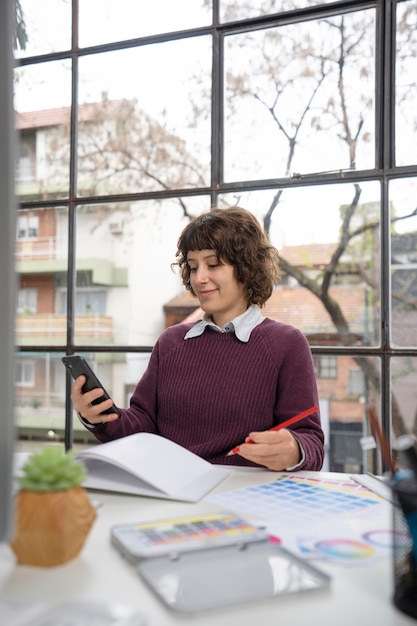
53, 511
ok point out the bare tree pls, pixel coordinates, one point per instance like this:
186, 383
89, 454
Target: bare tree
339, 114
121, 147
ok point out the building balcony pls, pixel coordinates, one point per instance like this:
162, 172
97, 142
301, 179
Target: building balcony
52, 329
39, 248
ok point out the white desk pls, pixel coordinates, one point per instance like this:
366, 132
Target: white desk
357, 596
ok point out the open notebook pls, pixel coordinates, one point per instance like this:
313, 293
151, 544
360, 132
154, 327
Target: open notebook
149, 465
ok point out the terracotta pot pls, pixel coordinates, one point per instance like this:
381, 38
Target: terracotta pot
51, 527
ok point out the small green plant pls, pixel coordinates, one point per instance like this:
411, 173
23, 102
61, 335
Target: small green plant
35, 403
52, 470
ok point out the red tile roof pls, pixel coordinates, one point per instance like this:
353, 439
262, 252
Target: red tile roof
60, 116
299, 307
310, 255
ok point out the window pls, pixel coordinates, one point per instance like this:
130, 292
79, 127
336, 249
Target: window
27, 301
87, 301
90, 302
25, 373
326, 366
26, 160
356, 382
346, 452
27, 226
276, 107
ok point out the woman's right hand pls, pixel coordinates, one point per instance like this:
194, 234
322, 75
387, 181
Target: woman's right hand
83, 403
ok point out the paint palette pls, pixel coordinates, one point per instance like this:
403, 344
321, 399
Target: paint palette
293, 500
173, 536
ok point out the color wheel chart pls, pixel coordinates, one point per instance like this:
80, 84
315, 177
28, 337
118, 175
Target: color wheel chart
318, 517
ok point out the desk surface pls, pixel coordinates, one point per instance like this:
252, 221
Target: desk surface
356, 595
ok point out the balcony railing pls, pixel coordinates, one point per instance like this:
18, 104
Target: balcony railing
54, 327
39, 249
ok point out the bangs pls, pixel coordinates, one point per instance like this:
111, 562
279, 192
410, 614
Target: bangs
203, 234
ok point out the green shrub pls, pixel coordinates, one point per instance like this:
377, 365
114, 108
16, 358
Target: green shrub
52, 470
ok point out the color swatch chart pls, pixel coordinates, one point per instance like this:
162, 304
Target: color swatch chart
215, 529
294, 500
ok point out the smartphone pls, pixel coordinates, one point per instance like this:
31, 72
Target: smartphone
77, 365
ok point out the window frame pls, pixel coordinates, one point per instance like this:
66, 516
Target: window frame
384, 171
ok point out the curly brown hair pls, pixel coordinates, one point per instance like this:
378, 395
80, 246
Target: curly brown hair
239, 240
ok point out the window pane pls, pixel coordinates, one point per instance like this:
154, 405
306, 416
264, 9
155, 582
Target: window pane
242, 9
41, 388
104, 21
27, 226
26, 156
42, 99
27, 300
343, 413
406, 86
403, 195
404, 400
25, 373
47, 25
40, 401
40, 398
356, 382
132, 136
41, 263
325, 366
288, 110
307, 239
124, 278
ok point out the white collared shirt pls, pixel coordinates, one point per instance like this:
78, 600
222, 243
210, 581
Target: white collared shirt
242, 325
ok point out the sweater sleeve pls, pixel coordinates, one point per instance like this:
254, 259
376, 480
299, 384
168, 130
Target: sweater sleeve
296, 392
141, 416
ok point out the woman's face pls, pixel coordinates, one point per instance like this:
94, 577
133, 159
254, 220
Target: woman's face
214, 283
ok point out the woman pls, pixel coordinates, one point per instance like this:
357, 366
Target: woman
227, 380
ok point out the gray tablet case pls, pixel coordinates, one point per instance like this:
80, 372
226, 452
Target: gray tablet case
215, 578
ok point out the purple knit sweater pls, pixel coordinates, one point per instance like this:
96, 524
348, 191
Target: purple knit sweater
209, 392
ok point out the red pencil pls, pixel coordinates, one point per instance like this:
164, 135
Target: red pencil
285, 424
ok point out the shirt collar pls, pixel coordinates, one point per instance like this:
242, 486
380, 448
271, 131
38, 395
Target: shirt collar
242, 325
